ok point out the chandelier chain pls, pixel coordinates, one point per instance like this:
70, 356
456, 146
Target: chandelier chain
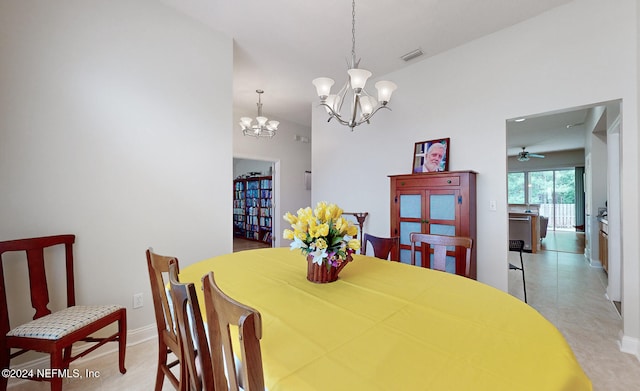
353, 29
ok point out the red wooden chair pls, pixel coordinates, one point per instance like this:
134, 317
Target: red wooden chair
53, 332
382, 247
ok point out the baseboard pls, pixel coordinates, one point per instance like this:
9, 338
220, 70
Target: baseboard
629, 345
134, 337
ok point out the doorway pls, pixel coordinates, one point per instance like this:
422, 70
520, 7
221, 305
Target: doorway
580, 137
253, 204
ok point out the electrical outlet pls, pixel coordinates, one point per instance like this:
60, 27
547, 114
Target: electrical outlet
138, 300
493, 205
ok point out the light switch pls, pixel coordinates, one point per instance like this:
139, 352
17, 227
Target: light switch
492, 205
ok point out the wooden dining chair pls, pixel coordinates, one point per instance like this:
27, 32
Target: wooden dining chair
518, 245
194, 348
53, 332
168, 344
382, 247
223, 311
439, 244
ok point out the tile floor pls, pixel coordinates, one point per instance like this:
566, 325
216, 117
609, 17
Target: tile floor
560, 285
571, 295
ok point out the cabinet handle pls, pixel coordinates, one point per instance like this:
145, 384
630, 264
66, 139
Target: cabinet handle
424, 221
449, 181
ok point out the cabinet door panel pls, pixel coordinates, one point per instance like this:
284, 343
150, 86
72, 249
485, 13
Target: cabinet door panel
405, 256
411, 206
406, 227
442, 206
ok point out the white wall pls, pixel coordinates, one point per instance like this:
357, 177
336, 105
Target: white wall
595, 180
245, 166
114, 126
577, 54
292, 159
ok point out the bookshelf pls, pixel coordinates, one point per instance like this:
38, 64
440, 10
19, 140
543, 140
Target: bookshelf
252, 208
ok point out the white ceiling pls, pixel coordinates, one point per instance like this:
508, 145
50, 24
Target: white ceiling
548, 132
281, 45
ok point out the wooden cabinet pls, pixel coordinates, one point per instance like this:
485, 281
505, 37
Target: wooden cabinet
252, 208
603, 242
438, 203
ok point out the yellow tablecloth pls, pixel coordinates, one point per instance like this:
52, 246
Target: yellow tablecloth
390, 326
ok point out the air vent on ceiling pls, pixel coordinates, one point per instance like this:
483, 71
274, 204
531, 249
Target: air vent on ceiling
411, 55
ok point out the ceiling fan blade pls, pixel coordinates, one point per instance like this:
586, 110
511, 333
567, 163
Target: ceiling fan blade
536, 155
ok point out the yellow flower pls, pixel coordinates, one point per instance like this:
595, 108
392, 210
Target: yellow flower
320, 211
318, 230
341, 224
321, 243
333, 212
287, 234
353, 244
302, 235
352, 230
291, 219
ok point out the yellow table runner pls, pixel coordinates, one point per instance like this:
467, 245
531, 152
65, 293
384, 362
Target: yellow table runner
390, 326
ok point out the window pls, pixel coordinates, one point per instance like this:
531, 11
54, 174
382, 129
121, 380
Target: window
552, 190
516, 189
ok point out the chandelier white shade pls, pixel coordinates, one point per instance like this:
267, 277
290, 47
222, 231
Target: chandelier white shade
363, 105
263, 127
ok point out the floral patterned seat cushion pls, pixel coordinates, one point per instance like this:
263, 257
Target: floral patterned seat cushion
58, 324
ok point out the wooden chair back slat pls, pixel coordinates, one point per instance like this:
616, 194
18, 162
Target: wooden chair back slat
158, 266
191, 334
439, 244
38, 288
222, 312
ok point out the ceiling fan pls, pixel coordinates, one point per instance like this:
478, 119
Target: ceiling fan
524, 155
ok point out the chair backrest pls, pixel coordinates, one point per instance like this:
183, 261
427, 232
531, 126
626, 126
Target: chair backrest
439, 244
223, 311
34, 248
518, 246
158, 266
191, 333
382, 247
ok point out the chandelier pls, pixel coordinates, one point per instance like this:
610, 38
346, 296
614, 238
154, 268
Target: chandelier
263, 127
363, 105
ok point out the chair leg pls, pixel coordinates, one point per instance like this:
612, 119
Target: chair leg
4, 363
57, 362
122, 339
524, 284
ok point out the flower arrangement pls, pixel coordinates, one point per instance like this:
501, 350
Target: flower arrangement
322, 233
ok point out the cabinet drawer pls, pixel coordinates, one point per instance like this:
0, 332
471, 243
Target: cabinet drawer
452, 180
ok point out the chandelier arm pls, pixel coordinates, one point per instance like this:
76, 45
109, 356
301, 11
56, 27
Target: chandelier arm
371, 115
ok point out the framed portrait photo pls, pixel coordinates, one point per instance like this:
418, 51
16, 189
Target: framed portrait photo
431, 156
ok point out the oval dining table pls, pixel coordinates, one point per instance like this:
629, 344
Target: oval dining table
390, 326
